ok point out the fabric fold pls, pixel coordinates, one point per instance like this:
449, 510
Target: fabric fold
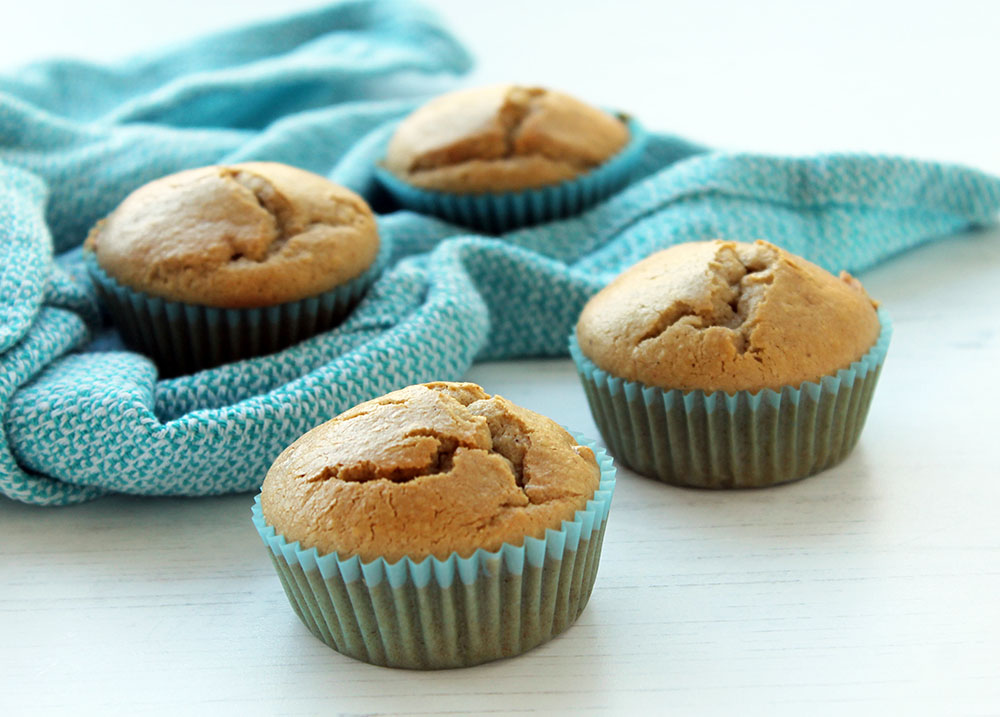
25, 253
251, 75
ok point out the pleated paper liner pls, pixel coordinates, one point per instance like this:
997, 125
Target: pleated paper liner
457, 612
183, 338
500, 212
740, 440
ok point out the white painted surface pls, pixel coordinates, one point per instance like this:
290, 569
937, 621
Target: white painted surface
871, 588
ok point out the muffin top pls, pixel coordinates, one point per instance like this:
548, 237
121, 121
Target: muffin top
727, 316
428, 470
502, 138
245, 235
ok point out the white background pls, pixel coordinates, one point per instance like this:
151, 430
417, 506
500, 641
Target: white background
871, 588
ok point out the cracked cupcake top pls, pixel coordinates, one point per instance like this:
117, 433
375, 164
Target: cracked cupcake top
727, 316
502, 138
245, 235
428, 470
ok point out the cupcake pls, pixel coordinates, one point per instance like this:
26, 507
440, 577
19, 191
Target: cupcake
220, 263
436, 526
723, 364
504, 156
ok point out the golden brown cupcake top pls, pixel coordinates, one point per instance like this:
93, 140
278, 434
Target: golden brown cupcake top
727, 316
245, 235
428, 470
502, 138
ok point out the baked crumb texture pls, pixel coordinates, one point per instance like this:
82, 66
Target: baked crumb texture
502, 138
241, 236
727, 316
431, 469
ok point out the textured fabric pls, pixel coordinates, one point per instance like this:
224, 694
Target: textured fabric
81, 417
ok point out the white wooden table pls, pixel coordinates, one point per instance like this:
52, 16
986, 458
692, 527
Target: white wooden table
871, 588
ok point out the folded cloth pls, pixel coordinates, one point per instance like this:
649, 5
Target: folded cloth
82, 418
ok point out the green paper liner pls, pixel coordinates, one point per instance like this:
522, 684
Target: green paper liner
503, 211
183, 338
457, 612
739, 440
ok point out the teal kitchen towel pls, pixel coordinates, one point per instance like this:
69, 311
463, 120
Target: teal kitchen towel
81, 417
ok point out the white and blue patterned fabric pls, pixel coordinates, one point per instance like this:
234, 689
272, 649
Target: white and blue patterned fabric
82, 417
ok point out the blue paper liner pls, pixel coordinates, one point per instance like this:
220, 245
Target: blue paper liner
183, 338
739, 440
432, 613
500, 212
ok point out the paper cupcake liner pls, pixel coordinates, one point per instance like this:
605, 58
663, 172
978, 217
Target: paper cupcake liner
740, 440
182, 338
456, 612
500, 212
